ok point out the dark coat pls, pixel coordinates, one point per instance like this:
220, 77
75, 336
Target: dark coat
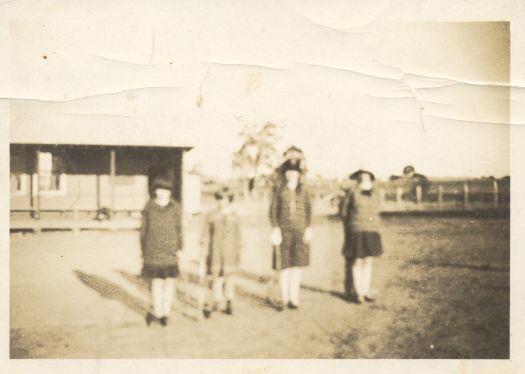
360, 212
161, 233
362, 224
291, 211
221, 239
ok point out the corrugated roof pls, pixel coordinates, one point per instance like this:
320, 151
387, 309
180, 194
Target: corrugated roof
53, 123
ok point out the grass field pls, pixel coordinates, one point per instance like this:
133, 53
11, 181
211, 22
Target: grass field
443, 286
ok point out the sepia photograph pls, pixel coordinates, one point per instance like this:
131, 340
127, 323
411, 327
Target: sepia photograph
257, 181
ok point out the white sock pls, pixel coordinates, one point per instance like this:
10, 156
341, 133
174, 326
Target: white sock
218, 285
229, 287
357, 273
157, 296
284, 283
367, 275
169, 290
295, 284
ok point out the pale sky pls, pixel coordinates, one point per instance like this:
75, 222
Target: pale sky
347, 91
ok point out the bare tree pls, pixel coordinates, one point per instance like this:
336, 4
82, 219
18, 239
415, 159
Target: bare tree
256, 157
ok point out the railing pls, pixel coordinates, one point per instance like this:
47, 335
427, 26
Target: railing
466, 193
395, 195
490, 197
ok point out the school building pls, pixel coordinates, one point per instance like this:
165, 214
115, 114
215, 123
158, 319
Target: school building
64, 174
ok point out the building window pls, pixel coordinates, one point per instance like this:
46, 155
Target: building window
51, 178
19, 184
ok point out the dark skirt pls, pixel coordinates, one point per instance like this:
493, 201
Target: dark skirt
292, 252
163, 272
359, 244
290, 257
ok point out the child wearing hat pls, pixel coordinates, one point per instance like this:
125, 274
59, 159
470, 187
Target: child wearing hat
290, 216
161, 242
362, 238
293, 156
221, 244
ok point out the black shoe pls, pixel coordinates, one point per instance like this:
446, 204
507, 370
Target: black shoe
292, 305
150, 318
207, 313
163, 321
370, 298
228, 310
279, 307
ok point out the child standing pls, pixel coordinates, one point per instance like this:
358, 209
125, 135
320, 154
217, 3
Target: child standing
291, 216
161, 242
362, 238
221, 244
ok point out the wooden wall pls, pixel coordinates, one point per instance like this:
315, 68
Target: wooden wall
87, 167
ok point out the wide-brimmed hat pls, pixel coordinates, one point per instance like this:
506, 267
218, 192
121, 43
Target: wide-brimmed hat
162, 183
357, 175
291, 165
293, 148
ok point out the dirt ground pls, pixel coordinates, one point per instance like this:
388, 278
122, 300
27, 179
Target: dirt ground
443, 285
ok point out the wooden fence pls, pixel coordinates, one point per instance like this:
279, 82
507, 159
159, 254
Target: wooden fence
459, 193
438, 195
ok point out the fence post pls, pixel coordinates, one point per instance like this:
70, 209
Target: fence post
496, 197
419, 195
35, 186
440, 194
399, 196
466, 193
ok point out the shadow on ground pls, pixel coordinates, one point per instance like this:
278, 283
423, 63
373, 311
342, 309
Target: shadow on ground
141, 283
111, 290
